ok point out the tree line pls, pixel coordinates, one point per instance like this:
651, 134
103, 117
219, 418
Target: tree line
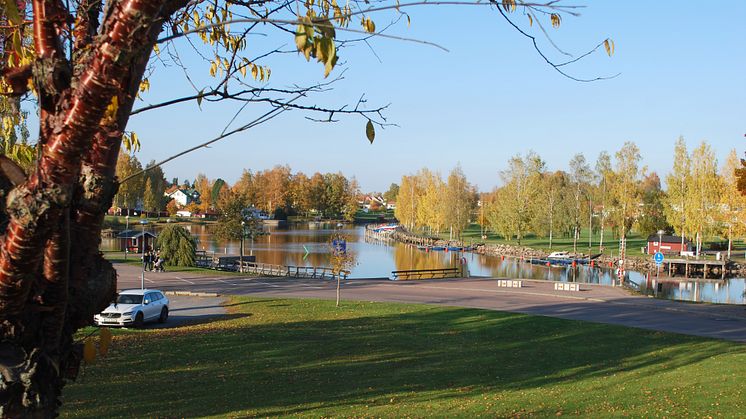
428, 202
277, 191
613, 194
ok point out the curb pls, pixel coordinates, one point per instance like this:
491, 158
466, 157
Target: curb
192, 294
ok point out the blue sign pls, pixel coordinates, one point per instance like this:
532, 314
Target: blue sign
658, 257
340, 246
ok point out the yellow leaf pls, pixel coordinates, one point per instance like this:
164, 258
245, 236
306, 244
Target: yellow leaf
104, 341
242, 69
530, 20
301, 38
254, 71
89, 352
111, 110
556, 20
156, 49
144, 85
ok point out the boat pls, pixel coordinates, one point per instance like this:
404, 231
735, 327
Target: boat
454, 248
437, 248
385, 227
565, 258
559, 255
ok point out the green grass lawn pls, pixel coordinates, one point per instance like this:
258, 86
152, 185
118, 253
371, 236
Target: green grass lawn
278, 357
635, 242
135, 260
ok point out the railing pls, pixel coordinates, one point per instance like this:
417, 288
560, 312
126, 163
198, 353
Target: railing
267, 269
427, 273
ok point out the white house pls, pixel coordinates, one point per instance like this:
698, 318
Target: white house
183, 197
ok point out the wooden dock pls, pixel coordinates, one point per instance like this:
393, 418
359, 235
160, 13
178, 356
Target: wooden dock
707, 269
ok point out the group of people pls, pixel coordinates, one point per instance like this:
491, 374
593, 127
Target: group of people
153, 261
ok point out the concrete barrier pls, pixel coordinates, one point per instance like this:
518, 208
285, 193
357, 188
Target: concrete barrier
509, 283
192, 294
566, 286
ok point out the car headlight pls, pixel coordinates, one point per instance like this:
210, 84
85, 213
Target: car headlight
129, 313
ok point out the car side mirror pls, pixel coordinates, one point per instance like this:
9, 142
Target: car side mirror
146, 302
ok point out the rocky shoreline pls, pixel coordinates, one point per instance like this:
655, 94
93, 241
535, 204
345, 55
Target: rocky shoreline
633, 263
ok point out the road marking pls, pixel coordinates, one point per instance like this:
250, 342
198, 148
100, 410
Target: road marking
229, 283
185, 280
571, 297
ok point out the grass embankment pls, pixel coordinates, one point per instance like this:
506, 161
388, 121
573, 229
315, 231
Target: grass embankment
306, 358
120, 222
635, 242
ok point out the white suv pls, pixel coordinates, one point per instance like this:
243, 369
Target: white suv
134, 308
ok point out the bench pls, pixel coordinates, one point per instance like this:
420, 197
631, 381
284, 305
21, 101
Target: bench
427, 274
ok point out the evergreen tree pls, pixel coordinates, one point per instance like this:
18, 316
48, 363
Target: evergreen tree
177, 246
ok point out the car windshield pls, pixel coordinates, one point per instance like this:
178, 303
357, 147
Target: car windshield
129, 299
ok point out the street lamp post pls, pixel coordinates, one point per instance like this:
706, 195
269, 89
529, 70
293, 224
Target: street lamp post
126, 239
660, 242
240, 257
142, 277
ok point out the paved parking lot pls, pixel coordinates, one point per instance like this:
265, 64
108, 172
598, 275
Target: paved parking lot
595, 303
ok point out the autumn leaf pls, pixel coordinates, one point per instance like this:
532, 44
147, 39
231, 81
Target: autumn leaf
370, 131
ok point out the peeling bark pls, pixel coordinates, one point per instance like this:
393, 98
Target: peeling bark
43, 304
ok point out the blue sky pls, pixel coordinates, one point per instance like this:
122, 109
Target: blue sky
682, 65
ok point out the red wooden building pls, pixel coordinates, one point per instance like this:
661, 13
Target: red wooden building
667, 245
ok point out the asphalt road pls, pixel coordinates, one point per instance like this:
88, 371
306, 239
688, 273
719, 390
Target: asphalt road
187, 309
596, 303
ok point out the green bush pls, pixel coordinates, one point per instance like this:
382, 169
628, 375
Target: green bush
177, 246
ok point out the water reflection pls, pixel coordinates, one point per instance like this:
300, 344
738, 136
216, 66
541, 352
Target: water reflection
303, 246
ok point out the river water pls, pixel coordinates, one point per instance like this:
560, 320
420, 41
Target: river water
307, 245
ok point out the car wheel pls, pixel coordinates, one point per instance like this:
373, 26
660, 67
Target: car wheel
164, 315
139, 320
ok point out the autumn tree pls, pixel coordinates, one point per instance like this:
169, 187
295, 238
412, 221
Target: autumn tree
741, 177
245, 186
459, 202
732, 203
605, 172
158, 183
553, 209
703, 194
406, 205
625, 189
150, 199
581, 175
520, 179
430, 203
391, 194
204, 187
652, 218
300, 193
131, 192
675, 205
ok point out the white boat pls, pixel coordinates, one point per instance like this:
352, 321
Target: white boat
559, 255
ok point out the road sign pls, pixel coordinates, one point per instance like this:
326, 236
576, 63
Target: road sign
658, 257
340, 246
306, 249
